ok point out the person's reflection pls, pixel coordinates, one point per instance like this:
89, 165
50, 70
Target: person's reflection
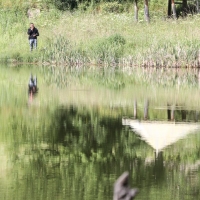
32, 88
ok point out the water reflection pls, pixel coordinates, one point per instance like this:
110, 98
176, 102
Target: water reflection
78, 153
32, 88
77, 150
160, 134
171, 158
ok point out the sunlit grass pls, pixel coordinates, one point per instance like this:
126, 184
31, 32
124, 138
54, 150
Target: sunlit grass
80, 38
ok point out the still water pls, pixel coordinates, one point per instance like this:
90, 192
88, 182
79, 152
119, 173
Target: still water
68, 144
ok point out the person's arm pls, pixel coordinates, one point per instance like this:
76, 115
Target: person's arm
37, 32
29, 32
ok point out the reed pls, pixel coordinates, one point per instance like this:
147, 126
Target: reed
81, 38
170, 45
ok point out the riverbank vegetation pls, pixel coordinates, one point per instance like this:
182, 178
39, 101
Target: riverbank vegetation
99, 36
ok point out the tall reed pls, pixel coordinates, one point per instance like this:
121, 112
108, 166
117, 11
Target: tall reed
101, 39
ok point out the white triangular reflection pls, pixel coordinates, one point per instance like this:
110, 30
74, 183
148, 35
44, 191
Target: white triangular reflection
160, 134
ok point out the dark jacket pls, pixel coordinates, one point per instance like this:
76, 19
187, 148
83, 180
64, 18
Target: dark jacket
32, 32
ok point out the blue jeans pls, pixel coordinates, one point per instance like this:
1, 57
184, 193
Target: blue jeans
33, 43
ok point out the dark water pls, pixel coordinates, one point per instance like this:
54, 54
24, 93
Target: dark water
52, 150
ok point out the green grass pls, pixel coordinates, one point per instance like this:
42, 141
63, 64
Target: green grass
86, 38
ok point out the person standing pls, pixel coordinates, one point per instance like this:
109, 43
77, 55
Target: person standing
33, 34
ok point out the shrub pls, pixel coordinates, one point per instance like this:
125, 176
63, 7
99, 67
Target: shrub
60, 50
112, 7
116, 39
109, 49
64, 4
17, 57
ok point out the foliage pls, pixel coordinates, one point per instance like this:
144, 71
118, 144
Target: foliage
60, 50
112, 7
110, 40
108, 50
64, 4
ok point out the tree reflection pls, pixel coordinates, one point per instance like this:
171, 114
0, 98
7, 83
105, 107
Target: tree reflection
81, 151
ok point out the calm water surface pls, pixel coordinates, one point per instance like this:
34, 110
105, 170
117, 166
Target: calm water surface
54, 150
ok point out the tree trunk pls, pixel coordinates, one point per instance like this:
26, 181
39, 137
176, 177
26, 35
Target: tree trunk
169, 8
197, 6
146, 10
184, 4
174, 10
185, 7
136, 10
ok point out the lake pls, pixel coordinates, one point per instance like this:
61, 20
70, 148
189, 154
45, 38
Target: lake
73, 142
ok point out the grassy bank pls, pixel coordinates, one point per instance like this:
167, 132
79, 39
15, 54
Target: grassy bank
91, 38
